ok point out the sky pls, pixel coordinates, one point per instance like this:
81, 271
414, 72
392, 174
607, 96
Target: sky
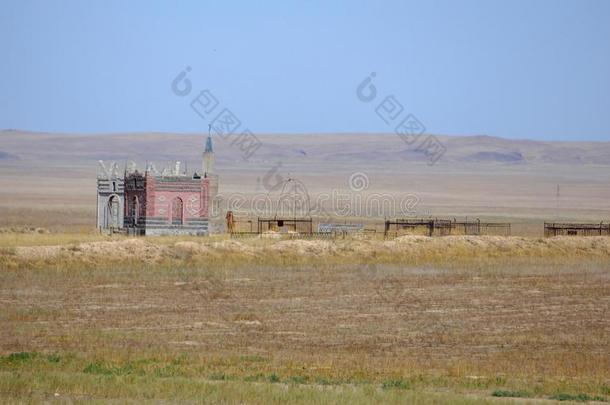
515, 69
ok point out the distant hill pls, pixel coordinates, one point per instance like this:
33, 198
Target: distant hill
352, 148
478, 176
7, 156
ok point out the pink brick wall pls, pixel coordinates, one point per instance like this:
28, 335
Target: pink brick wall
194, 203
150, 195
155, 199
191, 203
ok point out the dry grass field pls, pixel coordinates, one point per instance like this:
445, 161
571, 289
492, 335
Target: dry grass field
415, 319
86, 318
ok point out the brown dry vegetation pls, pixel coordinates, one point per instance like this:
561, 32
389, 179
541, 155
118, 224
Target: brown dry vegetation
86, 318
412, 319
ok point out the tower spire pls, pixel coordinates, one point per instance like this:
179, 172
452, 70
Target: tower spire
208, 154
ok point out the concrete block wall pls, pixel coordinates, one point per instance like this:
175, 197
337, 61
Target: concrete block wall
107, 189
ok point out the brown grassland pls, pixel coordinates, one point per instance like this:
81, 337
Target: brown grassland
86, 318
413, 319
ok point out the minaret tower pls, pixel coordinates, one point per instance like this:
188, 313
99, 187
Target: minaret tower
208, 155
212, 180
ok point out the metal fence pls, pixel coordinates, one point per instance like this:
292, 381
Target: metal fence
443, 227
575, 229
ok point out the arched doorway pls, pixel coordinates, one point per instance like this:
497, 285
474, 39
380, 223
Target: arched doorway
177, 211
134, 209
113, 212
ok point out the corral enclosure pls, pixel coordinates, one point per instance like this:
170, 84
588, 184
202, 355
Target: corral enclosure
284, 225
308, 226
444, 227
574, 229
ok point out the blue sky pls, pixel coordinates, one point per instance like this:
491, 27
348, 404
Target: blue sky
516, 69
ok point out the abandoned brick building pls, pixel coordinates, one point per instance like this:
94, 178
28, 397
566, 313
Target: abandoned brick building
170, 202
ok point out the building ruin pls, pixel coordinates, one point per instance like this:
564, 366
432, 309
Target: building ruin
149, 202
110, 197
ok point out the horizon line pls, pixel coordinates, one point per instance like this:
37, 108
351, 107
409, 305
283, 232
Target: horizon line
340, 133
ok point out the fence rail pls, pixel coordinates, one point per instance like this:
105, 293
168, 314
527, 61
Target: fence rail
575, 229
287, 235
443, 227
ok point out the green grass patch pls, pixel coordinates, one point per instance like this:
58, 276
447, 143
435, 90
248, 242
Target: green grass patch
273, 378
323, 381
53, 358
511, 394
100, 368
168, 371
255, 378
297, 379
219, 377
18, 357
394, 384
161, 371
577, 397
35, 358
